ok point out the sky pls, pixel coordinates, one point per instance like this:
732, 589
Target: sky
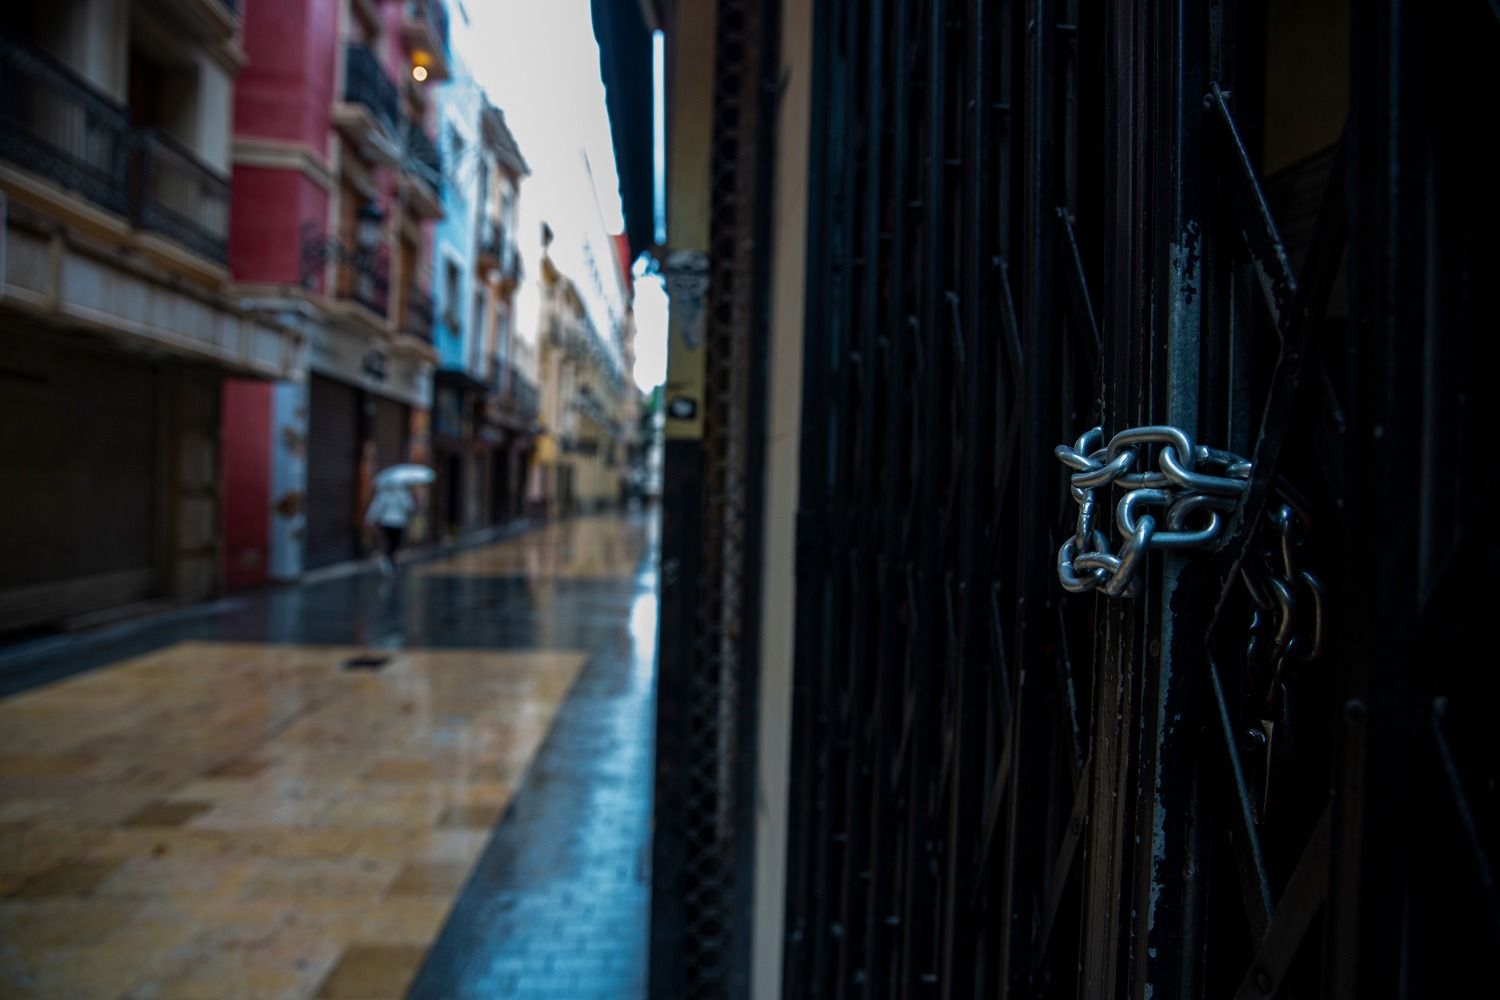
539, 63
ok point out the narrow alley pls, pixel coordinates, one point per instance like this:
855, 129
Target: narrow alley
350, 788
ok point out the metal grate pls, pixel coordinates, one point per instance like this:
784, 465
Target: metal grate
1032, 217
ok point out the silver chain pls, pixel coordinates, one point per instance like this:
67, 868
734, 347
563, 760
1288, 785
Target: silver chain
1287, 623
1195, 484
1286, 629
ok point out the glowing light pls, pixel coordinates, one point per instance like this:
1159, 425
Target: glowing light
419, 73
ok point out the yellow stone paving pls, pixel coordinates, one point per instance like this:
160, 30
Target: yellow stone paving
221, 820
582, 548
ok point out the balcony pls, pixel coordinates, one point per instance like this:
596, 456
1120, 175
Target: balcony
370, 113
514, 399
527, 397
54, 124
510, 266
368, 280
57, 126
424, 26
179, 197
418, 321
491, 244
423, 179
362, 275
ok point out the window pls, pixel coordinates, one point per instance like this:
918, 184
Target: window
451, 294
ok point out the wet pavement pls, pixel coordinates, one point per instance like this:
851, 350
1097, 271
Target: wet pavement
436, 787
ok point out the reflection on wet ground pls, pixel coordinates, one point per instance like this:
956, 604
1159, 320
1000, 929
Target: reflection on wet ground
285, 795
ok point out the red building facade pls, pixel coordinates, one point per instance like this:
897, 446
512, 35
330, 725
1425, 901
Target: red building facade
336, 184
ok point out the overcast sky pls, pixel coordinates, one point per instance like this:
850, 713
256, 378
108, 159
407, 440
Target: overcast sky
539, 62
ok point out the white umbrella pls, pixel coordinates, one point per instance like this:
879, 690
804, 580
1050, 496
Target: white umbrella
404, 475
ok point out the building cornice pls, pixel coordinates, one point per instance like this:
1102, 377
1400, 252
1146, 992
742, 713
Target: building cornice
280, 154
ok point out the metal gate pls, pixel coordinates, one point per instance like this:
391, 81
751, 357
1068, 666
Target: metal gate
391, 421
1241, 752
81, 429
332, 472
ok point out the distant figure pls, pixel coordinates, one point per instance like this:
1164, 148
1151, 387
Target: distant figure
391, 508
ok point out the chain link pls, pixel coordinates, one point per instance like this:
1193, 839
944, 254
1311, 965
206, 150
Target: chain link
1286, 629
1195, 484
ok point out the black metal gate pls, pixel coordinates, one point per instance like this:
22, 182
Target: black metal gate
332, 471
1261, 770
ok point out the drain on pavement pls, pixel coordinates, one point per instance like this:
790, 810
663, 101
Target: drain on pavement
366, 661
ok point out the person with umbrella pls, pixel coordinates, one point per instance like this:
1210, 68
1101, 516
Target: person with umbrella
392, 507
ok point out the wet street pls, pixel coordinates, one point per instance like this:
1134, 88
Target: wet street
436, 786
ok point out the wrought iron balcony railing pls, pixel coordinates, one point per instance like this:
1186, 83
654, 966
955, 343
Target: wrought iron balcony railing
418, 313
370, 283
516, 393
366, 83
363, 274
423, 157
528, 398
178, 196
510, 264
491, 241
55, 124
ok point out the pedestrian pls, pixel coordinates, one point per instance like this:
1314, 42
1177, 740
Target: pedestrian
390, 509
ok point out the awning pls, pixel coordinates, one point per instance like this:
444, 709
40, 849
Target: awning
625, 64
457, 378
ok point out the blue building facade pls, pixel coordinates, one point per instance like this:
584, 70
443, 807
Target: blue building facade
461, 381
457, 296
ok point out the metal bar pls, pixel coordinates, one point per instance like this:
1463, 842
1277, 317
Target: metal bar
866, 26
1078, 290
1008, 445
1028, 783
1305, 893
993, 802
842, 167
1267, 252
1067, 698
1309, 306
961, 954
1473, 842
1062, 869
879, 915
917, 972
1003, 715
1367, 933
1255, 887
1110, 846
1165, 945
807, 846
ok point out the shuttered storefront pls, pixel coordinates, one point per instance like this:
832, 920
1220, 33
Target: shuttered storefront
391, 421
78, 430
332, 467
